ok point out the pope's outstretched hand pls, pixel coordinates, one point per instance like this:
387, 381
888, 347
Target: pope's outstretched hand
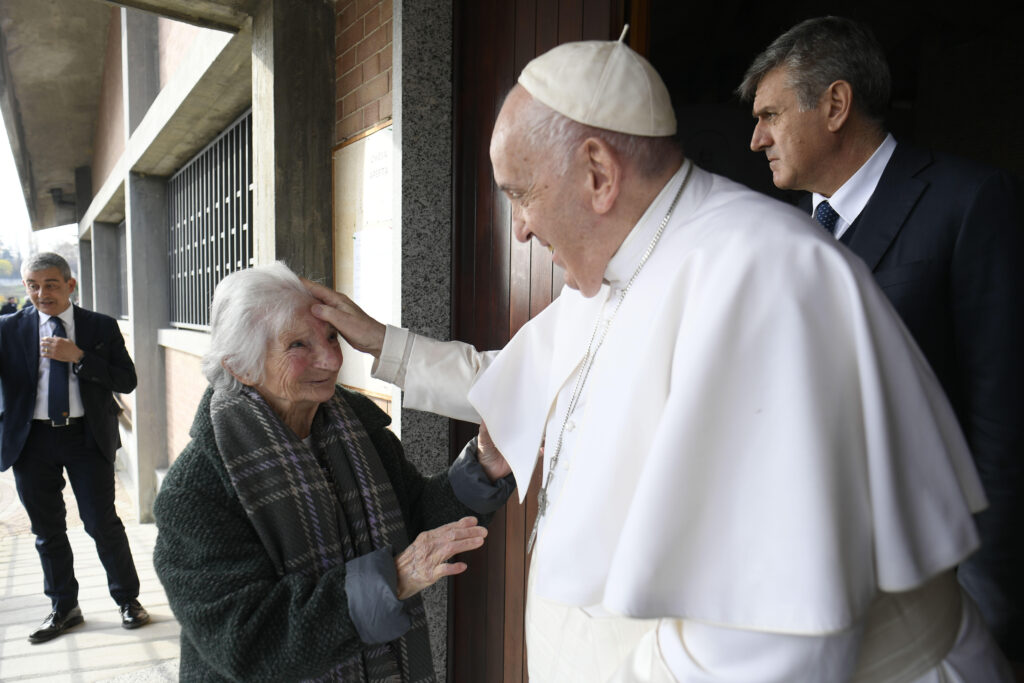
360, 330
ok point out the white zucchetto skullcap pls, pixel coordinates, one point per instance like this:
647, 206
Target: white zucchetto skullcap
602, 83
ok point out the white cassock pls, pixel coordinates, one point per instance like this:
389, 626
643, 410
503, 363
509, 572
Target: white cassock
762, 479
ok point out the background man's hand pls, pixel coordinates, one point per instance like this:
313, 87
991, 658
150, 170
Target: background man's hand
360, 330
60, 348
426, 559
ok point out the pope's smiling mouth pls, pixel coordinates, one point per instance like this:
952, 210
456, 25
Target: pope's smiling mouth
544, 244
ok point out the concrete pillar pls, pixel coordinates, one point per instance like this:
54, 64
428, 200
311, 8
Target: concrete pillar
106, 266
423, 175
293, 128
148, 310
143, 290
141, 65
83, 195
84, 275
83, 190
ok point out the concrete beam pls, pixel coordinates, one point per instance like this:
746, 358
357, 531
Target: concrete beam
11, 112
140, 64
223, 15
51, 63
293, 131
211, 88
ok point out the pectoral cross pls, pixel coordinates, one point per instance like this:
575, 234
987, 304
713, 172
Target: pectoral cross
542, 506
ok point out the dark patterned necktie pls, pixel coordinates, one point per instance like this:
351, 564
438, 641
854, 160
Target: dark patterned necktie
827, 216
59, 405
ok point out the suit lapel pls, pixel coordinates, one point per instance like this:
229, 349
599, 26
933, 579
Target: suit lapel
83, 333
897, 192
28, 340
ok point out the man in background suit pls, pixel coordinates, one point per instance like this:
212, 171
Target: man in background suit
59, 365
944, 241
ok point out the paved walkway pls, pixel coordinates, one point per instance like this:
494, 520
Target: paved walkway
99, 650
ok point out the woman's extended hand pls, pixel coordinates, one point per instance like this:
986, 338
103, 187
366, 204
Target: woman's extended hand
364, 333
426, 559
490, 458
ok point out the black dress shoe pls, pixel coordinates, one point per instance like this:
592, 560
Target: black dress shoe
55, 624
133, 615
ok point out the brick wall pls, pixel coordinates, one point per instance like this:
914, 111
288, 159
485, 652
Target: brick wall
185, 387
362, 48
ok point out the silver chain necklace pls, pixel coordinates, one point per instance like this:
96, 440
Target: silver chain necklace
588, 363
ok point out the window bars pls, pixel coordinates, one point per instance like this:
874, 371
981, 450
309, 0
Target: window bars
210, 207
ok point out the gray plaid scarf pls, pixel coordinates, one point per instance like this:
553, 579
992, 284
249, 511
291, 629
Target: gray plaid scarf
314, 509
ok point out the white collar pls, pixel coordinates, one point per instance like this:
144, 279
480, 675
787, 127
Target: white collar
67, 316
621, 266
853, 195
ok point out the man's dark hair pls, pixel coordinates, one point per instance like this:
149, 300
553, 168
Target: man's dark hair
817, 52
44, 261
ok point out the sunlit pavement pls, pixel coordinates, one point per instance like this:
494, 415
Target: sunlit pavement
99, 649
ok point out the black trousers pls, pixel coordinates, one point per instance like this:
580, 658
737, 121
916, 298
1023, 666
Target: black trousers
39, 476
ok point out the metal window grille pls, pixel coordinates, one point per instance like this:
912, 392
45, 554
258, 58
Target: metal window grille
210, 208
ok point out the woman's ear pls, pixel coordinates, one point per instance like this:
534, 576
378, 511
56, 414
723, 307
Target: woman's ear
247, 382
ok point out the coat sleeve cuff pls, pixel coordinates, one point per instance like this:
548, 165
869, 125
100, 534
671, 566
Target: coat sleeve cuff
371, 584
473, 487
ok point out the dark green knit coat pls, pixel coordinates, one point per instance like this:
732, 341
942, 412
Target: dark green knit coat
239, 619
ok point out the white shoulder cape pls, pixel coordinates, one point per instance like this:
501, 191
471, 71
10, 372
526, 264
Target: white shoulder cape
763, 446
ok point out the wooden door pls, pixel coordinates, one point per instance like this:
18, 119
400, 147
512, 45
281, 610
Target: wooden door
499, 284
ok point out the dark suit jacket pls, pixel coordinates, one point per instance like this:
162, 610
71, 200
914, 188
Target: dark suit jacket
945, 242
944, 239
105, 368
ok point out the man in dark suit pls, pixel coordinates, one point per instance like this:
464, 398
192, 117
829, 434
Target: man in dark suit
944, 240
59, 365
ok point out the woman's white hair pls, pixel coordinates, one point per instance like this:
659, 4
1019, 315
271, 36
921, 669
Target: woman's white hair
250, 308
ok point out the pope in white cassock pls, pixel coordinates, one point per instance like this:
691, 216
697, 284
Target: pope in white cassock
749, 471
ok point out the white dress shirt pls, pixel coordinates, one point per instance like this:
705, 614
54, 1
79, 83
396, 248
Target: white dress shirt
851, 198
46, 325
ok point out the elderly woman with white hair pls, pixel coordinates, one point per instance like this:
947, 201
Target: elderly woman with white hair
285, 525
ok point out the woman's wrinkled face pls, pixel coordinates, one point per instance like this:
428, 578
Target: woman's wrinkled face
301, 365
